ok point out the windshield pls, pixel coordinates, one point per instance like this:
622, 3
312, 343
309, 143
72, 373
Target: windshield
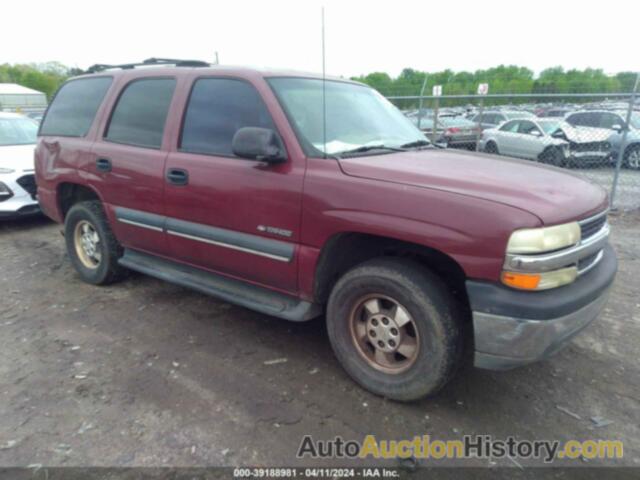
17, 131
356, 116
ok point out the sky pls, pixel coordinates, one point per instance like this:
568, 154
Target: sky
360, 36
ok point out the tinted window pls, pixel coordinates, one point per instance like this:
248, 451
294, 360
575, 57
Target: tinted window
217, 109
74, 107
141, 112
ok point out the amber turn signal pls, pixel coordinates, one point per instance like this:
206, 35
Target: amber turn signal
523, 281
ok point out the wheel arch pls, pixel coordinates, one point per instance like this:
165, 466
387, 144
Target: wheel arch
70, 193
346, 250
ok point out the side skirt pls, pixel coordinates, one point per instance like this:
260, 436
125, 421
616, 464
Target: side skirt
233, 291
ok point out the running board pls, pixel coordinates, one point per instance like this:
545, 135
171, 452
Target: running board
225, 288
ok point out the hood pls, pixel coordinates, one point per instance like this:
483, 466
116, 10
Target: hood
553, 195
17, 157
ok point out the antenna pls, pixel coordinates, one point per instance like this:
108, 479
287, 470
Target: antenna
324, 97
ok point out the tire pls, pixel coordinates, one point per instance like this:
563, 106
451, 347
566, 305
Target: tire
632, 157
492, 148
554, 156
434, 321
86, 223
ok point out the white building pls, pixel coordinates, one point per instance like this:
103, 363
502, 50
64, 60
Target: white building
16, 98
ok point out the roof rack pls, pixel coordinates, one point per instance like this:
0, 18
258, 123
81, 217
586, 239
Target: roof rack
99, 67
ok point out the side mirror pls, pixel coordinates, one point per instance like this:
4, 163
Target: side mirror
617, 127
536, 133
262, 144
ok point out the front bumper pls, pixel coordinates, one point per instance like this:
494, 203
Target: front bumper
20, 202
590, 157
513, 328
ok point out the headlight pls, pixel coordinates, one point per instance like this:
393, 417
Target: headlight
547, 239
6, 170
5, 191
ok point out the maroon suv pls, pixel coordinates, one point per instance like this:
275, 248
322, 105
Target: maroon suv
299, 196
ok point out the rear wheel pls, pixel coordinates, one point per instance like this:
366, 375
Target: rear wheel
91, 245
491, 147
395, 328
632, 157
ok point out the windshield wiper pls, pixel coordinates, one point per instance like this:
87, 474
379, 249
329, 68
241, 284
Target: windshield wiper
416, 144
368, 148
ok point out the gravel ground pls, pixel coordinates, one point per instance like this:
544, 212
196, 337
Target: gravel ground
144, 373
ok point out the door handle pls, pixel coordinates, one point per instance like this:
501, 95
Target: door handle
177, 176
103, 165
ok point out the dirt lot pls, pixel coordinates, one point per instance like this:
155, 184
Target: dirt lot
147, 373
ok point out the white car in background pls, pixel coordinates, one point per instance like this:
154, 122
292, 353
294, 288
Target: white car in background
17, 179
548, 140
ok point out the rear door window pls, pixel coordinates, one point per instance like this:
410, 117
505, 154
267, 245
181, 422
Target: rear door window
140, 115
217, 109
74, 107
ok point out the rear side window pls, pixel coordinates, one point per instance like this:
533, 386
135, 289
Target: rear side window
74, 107
217, 109
141, 112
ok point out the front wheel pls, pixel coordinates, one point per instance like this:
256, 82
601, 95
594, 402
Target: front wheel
554, 156
395, 328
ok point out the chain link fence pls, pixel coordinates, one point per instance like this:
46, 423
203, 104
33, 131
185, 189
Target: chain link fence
593, 135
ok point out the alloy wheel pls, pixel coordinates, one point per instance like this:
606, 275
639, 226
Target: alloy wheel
87, 243
384, 333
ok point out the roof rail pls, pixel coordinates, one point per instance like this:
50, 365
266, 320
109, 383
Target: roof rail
99, 67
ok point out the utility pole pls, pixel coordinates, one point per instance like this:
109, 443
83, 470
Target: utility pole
217, 61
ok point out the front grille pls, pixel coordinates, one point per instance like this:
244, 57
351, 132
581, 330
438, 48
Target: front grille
590, 147
587, 262
28, 182
592, 226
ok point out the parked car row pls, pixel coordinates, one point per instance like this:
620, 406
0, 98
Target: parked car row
564, 135
548, 140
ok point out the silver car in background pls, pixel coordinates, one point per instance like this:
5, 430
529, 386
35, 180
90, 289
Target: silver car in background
17, 180
548, 140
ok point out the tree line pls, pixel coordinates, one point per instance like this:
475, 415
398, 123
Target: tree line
47, 77
43, 77
502, 79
